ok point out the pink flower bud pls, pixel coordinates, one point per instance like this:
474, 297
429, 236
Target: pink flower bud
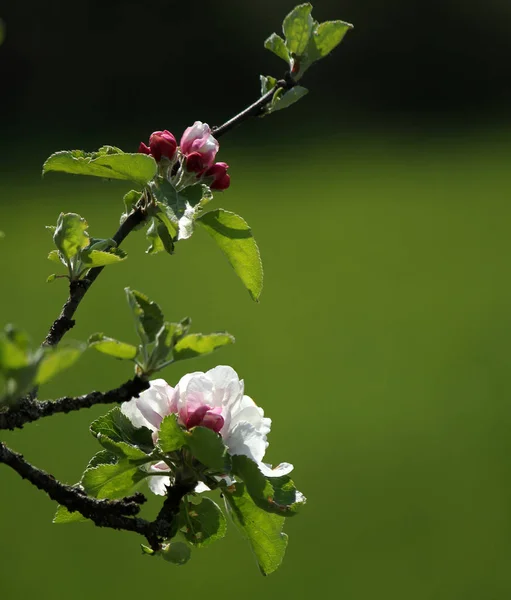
162, 143
143, 149
195, 162
221, 180
198, 138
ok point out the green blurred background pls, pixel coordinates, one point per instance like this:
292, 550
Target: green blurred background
380, 348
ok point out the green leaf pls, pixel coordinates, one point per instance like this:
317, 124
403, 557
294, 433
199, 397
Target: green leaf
165, 340
55, 257
112, 481
234, 238
56, 360
130, 200
51, 278
273, 494
99, 258
178, 210
70, 235
325, 38
170, 436
262, 529
177, 553
297, 27
197, 344
159, 237
123, 450
135, 167
117, 427
12, 355
63, 515
208, 448
112, 347
277, 45
147, 313
288, 98
203, 523
267, 83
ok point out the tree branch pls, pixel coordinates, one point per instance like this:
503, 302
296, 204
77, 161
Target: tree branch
114, 514
28, 410
78, 289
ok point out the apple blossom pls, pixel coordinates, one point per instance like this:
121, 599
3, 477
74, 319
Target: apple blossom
198, 138
215, 400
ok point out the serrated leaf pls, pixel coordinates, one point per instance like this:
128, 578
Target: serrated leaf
277, 45
203, 523
170, 435
112, 481
288, 98
326, 37
112, 347
208, 448
177, 210
234, 238
197, 344
56, 360
123, 450
70, 235
135, 167
63, 515
147, 313
262, 529
297, 27
273, 494
99, 258
117, 427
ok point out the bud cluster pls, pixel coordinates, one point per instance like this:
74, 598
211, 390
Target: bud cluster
190, 162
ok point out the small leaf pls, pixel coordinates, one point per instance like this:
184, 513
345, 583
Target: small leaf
165, 340
135, 167
130, 200
273, 494
262, 529
99, 258
170, 436
112, 347
326, 37
51, 278
118, 428
297, 27
112, 481
63, 516
234, 237
209, 449
147, 314
267, 83
56, 360
177, 553
203, 523
154, 239
70, 235
123, 450
277, 45
54, 256
12, 354
288, 98
196, 344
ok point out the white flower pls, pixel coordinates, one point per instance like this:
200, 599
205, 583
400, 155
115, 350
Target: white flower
214, 399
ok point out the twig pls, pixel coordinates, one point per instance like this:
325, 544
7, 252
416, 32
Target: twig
78, 289
29, 410
114, 514
255, 109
